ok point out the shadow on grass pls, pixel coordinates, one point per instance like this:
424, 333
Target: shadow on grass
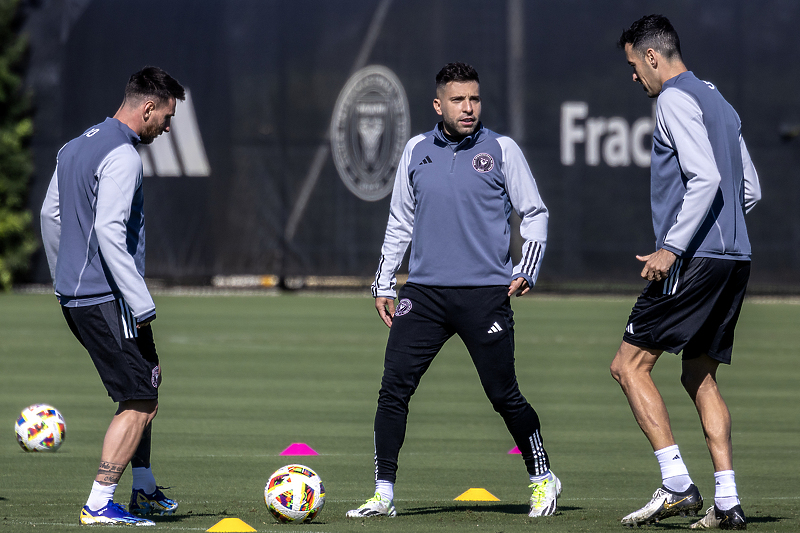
668, 526
176, 518
765, 519
505, 508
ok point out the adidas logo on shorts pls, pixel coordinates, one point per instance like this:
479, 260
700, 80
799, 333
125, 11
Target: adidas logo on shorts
495, 328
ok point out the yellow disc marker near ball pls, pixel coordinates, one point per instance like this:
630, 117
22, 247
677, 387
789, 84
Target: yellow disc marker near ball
231, 525
477, 495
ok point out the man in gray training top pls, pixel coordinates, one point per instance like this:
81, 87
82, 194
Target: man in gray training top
453, 195
702, 184
93, 232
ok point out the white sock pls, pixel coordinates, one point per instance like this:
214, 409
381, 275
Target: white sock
143, 479
542, 477
674, 473
385, 489
725, 496
100, 496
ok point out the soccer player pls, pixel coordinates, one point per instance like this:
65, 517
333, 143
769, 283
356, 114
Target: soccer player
702, 183
93, 232
453, 195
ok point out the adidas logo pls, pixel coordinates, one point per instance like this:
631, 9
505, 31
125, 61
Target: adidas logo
495, 328
676, 457
426, 160
179, 152
629, 329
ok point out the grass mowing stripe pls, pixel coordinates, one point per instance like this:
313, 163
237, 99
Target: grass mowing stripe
244, 377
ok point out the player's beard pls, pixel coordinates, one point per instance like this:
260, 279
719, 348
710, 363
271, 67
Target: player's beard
456, 130
149, 134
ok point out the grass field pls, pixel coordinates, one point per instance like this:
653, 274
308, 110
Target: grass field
244, 377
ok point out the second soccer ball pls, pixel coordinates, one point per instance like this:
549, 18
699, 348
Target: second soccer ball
294, 493
40, 428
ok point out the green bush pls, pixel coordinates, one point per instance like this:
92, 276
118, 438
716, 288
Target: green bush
16, 126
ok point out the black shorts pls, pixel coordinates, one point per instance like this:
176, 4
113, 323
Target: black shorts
694, 310
124, 355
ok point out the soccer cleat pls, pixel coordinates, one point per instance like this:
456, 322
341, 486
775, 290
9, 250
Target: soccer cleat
155, 503
375, 506
544, 496
112, 514
664, 504
715, 518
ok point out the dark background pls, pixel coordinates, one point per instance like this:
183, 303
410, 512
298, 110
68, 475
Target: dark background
265, 76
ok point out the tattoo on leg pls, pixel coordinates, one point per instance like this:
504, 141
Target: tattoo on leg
109, 472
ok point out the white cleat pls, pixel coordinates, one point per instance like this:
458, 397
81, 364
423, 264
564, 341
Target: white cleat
544, 496
664, 504
375, 506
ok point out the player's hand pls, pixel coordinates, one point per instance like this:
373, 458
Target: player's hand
145, 322
657, 264
385, 307
519, 285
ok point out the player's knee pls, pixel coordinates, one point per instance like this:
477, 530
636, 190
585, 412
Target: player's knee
142, 408
698, 372
691, 382
395, 401
617, 370
506, 402
499, 403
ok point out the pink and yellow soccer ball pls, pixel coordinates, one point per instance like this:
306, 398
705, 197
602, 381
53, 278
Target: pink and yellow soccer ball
40, 428
294, 493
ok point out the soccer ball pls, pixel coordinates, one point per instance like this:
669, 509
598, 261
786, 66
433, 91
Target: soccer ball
294, 493
40, 428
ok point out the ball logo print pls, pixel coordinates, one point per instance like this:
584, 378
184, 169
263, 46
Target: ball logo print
40, 428
294, 493
483, 162
369, 129
403, 307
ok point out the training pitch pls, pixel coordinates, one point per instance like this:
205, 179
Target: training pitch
247, 376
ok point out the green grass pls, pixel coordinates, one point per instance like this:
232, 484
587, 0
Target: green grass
244, 377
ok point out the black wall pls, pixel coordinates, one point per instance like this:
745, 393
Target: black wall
265, 76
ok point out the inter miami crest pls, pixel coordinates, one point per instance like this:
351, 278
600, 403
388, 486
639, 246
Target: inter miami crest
483, 162
403, 307
369, 129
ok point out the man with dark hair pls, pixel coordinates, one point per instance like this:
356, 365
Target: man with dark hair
453, 194
460, 72
93, 233
702, 184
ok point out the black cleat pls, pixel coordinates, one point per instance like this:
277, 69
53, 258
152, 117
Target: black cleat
733, 518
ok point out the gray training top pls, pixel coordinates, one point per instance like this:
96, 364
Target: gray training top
702, 180
452, 201
93, 221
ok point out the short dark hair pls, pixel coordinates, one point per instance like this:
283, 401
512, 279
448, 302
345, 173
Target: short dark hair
456, 72
153, 82
652, 31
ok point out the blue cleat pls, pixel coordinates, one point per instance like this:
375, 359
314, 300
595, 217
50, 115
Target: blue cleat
155, 503
112, 514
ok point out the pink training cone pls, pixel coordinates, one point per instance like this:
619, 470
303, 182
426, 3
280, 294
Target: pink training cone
515, 449
299, 448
